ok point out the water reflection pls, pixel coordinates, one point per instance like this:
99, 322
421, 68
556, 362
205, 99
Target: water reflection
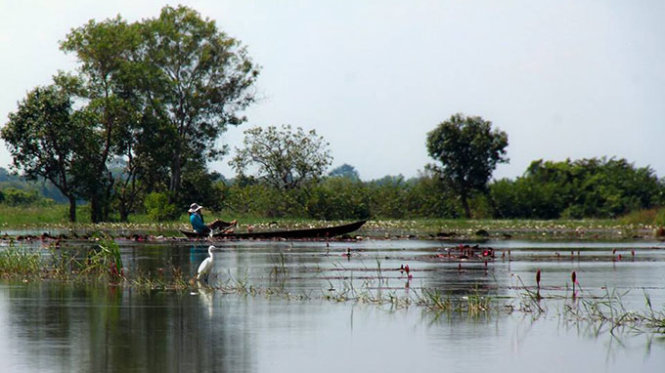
54, 328
108, 329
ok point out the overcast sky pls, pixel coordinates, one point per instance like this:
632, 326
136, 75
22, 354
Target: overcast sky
564, 79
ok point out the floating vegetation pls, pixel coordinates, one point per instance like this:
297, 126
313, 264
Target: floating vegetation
474, 304
608, 313
601, 313
19, 263
101, 262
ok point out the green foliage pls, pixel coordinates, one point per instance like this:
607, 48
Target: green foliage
16, 197
159, 208
468, 150
345, 170
388, 197
45, 188
338, 198
201, 187
593, 187
655, 216
19, 262
425, 196
285, 159
264, 200
104, 260
44, 138
428, 197
201, 80
156, 94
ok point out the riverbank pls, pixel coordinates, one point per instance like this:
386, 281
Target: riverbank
429, 229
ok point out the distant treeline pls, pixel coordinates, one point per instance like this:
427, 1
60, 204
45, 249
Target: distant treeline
598, 188
16, 191
587, 188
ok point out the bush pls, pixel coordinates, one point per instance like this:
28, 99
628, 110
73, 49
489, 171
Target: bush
17, 197
654, 216
158, 207
338, 198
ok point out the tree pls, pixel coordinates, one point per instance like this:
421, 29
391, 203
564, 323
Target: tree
106, 52
158, 93
594, 187
43, 136
345, 170
285, 159
468, 150
200, 79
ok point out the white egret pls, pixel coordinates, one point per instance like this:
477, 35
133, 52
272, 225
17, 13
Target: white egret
206, 265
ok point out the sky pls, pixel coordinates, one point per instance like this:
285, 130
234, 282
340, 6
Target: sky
564, 79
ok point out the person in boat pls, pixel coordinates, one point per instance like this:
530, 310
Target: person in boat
196, 219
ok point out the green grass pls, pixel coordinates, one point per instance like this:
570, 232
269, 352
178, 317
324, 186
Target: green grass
654, 216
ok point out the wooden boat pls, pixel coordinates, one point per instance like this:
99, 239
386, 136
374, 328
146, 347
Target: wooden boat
325, 232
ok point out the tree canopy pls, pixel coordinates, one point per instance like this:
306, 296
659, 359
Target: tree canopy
592, 187
346, 171
468, 150
284, 158
43, 139
152, 96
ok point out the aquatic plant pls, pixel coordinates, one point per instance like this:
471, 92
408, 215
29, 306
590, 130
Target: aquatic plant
608, 312
474, 304
173, 280
16, 262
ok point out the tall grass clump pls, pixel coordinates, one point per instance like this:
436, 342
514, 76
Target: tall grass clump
104, 261
608, 312
474, 304
16, 262
655, 216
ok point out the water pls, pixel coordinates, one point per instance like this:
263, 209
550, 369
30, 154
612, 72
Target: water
50, 327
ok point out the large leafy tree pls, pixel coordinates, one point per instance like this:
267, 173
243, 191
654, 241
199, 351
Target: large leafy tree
43, 137
109, 71
159, 92
468, 150
284, 158
200, 79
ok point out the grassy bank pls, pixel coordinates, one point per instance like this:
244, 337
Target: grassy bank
642, 225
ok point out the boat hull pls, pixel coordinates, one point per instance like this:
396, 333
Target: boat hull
325, 232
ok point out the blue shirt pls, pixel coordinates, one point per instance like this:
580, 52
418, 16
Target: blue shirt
197, 223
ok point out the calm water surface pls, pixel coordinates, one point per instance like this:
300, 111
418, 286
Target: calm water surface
47, 327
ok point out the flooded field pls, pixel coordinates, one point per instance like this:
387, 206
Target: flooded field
347, 306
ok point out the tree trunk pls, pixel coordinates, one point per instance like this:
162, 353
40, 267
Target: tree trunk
95, 209
495, 213
106, 211
72, 209
124, 211
174, 185
465, 203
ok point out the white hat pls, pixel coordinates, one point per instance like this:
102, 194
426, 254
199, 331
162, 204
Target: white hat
194, 208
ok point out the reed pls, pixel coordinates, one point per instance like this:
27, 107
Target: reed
608, 312
18, 263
